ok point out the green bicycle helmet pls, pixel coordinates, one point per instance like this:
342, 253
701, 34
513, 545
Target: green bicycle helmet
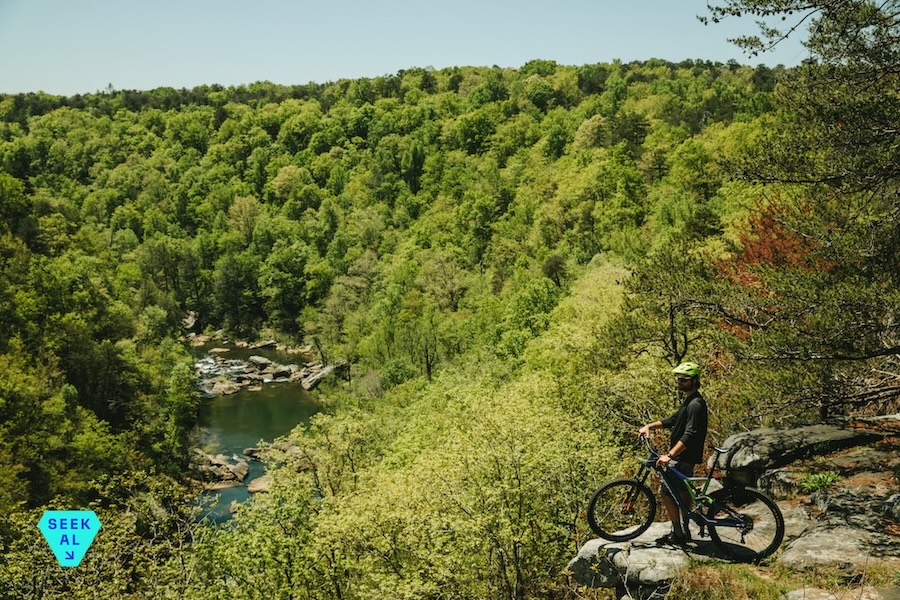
690, 369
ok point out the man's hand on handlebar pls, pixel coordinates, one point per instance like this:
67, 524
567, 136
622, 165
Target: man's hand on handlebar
662, 460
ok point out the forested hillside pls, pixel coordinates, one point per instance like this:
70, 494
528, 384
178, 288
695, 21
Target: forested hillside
510, 261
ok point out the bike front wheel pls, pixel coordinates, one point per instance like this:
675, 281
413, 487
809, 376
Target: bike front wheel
752, 526
621, 510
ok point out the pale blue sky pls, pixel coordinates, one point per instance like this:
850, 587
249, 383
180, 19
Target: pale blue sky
81, 46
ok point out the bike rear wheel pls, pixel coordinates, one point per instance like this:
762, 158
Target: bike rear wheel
758, 526
621, 510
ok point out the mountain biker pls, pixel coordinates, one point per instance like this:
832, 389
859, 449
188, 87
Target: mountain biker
686, 441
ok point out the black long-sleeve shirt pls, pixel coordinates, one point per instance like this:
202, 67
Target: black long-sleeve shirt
688, 425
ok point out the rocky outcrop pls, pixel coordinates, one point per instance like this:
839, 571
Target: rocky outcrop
312, 378
639, 568
218, 472
224, 388
219, 375
260, 485
847, 521
752, 453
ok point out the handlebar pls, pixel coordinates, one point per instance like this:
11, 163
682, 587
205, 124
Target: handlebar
646, 441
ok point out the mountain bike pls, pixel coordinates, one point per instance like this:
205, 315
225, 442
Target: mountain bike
742, 522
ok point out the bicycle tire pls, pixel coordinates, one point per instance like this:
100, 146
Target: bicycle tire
763, 533
621, 510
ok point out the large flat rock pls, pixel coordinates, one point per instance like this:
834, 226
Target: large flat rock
641, 561
835, 546
753, 452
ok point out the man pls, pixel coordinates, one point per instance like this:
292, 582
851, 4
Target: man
686, 442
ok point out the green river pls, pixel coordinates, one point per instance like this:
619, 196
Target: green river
230, 424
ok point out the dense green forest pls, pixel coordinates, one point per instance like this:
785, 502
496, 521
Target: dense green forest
510, 261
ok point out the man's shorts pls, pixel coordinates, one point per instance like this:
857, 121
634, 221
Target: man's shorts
684, 468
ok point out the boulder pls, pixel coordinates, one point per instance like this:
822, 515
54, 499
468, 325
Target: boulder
259, 485
252, 453
263, 344
640, 566
892, 508
827, 545
225, 388
307, 352
781, 483
260, 361
224, 473
859, 508
593, 566
796, 520
281, 371
206, 472
752, 453
200, 340
240, 470
200, 458
189, 321
219, 376
219, 460
314, 375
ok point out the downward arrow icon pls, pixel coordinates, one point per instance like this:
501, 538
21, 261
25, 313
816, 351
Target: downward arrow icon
70, 556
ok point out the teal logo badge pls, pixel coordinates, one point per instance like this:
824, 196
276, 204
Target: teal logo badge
69, 534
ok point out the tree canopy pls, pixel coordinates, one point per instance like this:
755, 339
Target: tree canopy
509, 259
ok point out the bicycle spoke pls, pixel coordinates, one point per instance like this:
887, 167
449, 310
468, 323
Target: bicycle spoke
759, 526
621, 510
